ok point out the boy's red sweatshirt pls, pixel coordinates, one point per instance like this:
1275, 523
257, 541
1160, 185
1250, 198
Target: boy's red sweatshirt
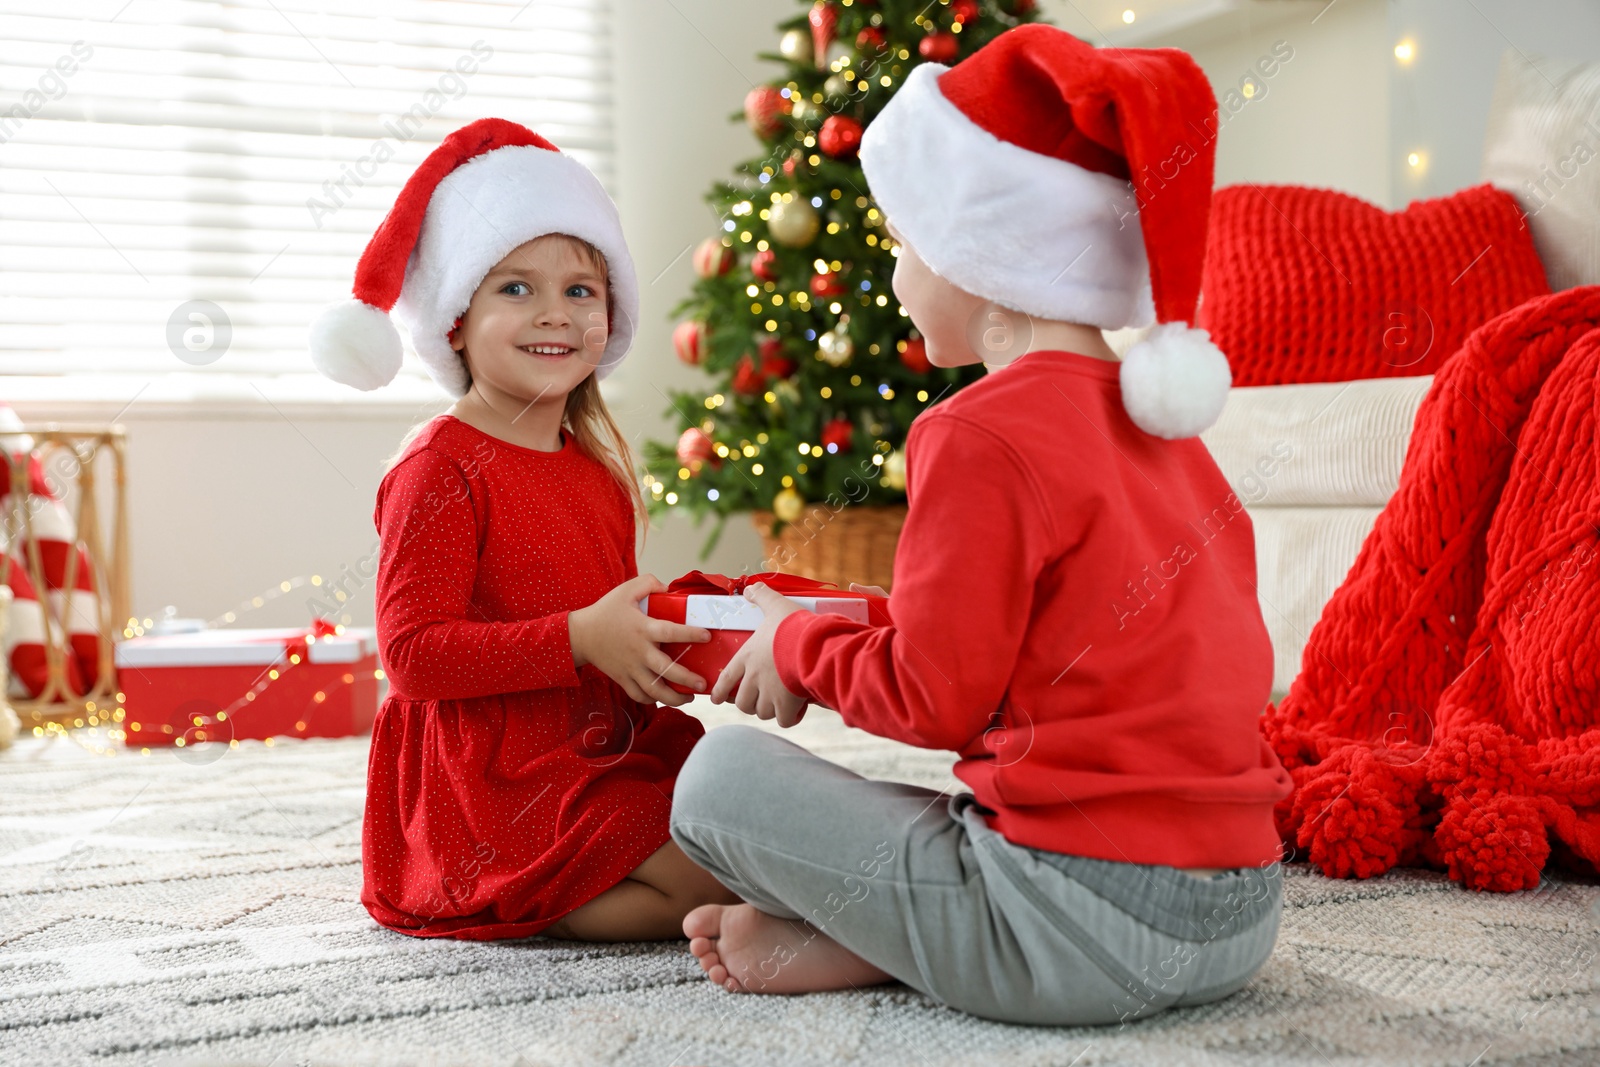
1074, 613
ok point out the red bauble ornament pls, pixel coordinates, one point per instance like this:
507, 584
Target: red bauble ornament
939, 47
688, 340
696, 447
764, 265
713, 258
747, 379
837, 433
840, 136
870, 41
915, 355
774, 363
827, 284
964, 11
765, 109
824, 19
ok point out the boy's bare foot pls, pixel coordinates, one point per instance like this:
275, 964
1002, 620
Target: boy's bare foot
745, 950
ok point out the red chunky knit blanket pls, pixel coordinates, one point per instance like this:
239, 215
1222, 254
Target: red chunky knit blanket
1445, 714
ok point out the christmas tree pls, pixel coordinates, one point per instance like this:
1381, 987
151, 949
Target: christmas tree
816, 371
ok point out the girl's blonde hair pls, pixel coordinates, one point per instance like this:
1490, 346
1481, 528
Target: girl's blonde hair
585, 416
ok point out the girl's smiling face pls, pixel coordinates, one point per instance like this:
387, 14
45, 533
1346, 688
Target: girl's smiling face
537, 324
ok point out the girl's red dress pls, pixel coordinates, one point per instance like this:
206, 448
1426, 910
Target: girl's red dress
505, 786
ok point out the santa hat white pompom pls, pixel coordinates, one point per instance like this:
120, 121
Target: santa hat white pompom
1175, 381
356, 344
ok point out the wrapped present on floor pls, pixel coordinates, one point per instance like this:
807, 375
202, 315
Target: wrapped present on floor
226, 685
717, 602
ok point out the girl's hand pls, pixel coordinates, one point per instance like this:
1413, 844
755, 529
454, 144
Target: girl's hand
873, 590
614, 635
761, 691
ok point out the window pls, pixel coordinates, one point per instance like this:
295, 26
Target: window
172, 157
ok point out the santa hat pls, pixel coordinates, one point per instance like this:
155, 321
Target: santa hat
1067, 182
486, 189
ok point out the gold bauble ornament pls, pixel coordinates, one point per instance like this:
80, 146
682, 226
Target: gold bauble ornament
894, 470
835, 348
787, 505
793, 222
837, 86
795, 46
804, 110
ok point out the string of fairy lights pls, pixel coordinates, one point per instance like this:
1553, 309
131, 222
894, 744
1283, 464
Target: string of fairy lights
135, 627
100, 731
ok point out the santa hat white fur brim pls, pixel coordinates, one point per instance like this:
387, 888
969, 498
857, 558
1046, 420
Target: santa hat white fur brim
1039, 235
478, 213
1031, 232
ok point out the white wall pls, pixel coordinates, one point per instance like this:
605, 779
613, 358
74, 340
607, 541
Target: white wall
1320, 119
1440, 101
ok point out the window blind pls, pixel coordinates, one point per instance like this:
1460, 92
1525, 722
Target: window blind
185, 183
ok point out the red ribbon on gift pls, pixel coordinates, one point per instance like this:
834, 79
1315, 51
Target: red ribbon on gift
702, 584
295, 644
708, 658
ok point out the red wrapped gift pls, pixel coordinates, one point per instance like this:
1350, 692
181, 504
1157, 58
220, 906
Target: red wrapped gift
717, 603
225, 685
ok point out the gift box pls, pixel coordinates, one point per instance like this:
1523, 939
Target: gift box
717, 603
225, 685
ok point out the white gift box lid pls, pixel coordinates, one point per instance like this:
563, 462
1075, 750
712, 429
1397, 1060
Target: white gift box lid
716, 612
224, 648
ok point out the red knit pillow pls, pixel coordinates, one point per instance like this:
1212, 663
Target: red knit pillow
1313, 285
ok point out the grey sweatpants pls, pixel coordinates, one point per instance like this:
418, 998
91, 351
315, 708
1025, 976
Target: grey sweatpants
915, 882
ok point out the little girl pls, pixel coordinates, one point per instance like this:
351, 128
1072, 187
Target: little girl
520, 775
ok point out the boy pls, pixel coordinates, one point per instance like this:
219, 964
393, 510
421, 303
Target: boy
1074, 608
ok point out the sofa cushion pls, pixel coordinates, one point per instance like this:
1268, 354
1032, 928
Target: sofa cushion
1313, 464
1302, 556
1541, 144
1327, 443
1314, 285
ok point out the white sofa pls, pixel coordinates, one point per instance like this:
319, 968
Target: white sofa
1314, 465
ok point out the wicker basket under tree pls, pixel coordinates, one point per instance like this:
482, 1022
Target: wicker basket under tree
853, 544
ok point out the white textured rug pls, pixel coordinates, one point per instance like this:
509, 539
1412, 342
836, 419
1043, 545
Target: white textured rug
179, 909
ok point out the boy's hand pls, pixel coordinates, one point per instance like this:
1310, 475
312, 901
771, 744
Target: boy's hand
874, 590
614, 635
761, 691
